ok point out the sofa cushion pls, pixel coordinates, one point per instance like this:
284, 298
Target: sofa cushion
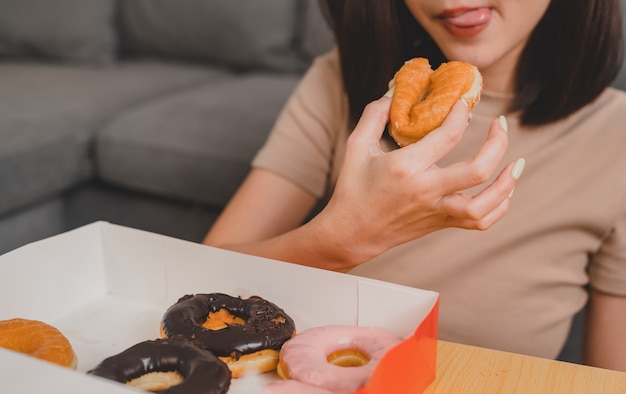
316, 36
48, 115
61, 30
197, 145
241, 34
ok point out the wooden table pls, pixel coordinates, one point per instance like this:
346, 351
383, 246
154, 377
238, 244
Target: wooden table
465, 369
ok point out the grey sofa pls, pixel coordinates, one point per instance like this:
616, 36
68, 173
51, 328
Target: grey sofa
145, 113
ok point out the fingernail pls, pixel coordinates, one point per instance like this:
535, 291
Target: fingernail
511, 194
518, 168
503, 123
390, 91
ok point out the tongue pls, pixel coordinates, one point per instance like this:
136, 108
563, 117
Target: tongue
470, 18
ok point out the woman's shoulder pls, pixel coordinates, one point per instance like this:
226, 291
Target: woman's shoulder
604, 117
327, 64
608, 108
329, 58
611, 98
321, 89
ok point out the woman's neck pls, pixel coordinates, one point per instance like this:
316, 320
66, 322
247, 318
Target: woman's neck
498, 80
499, 76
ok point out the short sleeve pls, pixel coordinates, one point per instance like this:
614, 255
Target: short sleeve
302, 143
607, 271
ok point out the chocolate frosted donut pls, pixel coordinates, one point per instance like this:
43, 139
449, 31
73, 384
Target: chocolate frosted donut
260, 329
198, 371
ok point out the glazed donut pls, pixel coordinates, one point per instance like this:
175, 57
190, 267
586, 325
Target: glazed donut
167, 366
244, 333
37, 339
422, 98
318, 356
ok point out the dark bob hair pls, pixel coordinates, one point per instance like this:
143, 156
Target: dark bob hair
572, 55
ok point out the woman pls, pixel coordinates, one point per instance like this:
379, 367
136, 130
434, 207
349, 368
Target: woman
516, 285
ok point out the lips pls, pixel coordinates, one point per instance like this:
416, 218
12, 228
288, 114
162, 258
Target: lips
466, 22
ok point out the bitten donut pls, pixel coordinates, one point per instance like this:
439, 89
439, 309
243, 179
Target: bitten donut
244, 333
37, 339
167, 366
318, 356
422, 98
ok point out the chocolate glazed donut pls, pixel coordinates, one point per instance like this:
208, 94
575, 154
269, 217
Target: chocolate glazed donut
201, 371
266, 325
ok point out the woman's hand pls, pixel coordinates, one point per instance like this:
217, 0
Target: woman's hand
383, 199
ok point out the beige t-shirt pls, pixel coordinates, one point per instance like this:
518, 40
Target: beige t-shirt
516, 286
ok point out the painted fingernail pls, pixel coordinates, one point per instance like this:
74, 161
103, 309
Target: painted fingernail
518, 168
503, 123
511, 194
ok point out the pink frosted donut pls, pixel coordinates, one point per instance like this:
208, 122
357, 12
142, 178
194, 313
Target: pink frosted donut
319, 356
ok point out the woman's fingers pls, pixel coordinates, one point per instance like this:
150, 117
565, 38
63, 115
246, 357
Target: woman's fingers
481, 167
484, 222
442, 140
371, 125
487, 205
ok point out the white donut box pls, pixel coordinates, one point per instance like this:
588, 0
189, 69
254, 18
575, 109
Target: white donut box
106, 288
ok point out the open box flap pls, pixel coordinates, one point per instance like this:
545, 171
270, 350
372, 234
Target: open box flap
62, 272
409, 367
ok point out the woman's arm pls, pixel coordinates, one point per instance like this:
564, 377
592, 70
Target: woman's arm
605, 332
265, 206
382, 199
